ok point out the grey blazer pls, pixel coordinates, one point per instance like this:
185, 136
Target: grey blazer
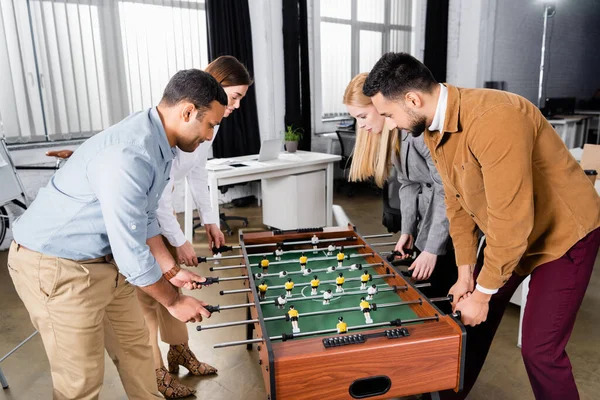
421, 196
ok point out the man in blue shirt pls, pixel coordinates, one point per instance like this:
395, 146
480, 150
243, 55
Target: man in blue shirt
91, 236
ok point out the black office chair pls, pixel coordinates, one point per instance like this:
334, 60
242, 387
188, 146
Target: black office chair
347, 139
223, 218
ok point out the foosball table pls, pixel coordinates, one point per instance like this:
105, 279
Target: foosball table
331, 318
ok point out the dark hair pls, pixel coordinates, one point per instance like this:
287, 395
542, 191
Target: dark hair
228, 71
395, 74
197, 87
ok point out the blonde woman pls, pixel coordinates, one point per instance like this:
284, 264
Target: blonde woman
424, 223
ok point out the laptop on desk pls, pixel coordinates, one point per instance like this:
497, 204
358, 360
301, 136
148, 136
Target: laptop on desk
269, 150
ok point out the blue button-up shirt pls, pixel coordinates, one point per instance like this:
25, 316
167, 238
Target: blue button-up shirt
104, 199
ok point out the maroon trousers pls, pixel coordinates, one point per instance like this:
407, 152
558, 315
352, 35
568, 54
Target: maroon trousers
556, 291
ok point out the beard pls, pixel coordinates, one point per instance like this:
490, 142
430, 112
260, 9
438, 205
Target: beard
417, 124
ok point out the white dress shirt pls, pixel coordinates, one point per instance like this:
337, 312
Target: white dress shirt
193, 167
438, 125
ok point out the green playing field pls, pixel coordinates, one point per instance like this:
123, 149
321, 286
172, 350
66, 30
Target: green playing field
300, 291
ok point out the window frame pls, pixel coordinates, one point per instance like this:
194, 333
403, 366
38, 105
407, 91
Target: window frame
417, 29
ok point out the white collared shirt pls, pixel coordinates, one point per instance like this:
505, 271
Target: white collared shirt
440, 112
438, 125
193, 167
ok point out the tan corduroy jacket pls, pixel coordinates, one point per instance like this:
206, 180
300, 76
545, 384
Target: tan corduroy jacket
506, 171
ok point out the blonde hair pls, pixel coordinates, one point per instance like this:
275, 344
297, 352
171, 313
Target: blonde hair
372, 154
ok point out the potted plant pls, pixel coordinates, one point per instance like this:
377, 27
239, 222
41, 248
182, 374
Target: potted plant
291, 137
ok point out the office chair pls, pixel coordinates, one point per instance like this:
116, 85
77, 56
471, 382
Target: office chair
347, 139
223, 218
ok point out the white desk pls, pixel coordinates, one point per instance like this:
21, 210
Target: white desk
572, 129
594, 119
220, 174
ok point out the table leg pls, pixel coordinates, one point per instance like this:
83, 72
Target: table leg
524, 291
329, 196
189, 214
214, 196
3, 380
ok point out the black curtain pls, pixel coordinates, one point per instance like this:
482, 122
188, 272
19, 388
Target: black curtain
295, 58
436, 38
229, 33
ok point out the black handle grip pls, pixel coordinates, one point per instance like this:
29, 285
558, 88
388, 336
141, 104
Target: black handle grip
209, 281
221, 249
457, 315
201, 259
213, 309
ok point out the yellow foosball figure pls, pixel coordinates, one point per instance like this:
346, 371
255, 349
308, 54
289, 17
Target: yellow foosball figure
303, 260
341, 326
262, 290
289, 285
264, 263
314, 285
364, 279
293, 313
339, 281
366, 309
340, 256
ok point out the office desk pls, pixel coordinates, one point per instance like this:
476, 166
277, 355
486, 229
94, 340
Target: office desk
220, 174
572, 129
593, 122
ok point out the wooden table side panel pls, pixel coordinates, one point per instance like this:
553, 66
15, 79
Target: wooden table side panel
434, 366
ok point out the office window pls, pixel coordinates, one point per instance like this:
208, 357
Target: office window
71, 68
350, 37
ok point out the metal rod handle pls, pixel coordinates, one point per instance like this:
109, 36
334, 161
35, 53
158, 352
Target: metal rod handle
223, 292
227, 267
378, 236
237, 343
226, 324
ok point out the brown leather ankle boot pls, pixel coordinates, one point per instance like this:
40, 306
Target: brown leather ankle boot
180, 354
170, 387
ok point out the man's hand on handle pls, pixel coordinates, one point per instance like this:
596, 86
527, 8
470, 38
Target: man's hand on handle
187, 255
214, 236
188, 309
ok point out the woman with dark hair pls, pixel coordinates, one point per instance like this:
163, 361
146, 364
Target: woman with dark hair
235, 80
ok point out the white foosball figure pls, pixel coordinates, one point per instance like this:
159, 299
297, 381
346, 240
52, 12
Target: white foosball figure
315, 242
327, 296
330, 250
278, 253
330, 269
371, 291
217, 256
258, 275
293, 313
282, 274
366, 309
355, 267
280, 301
306, 272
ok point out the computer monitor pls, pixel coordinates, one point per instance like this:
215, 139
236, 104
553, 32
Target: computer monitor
560, 106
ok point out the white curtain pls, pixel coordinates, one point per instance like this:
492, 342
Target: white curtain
70, 68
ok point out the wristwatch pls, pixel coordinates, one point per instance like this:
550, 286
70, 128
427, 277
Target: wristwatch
172, 272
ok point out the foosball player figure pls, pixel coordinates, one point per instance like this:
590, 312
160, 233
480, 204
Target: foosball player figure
366, 309
341, 326
330, 249
364, 279
371, 291
262, 290
314, 285
303, 260
340, 256
293, 313
264, 263
315, 242
278, 253
327, 296
339, 281
216, 257
289, 285
280, 301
